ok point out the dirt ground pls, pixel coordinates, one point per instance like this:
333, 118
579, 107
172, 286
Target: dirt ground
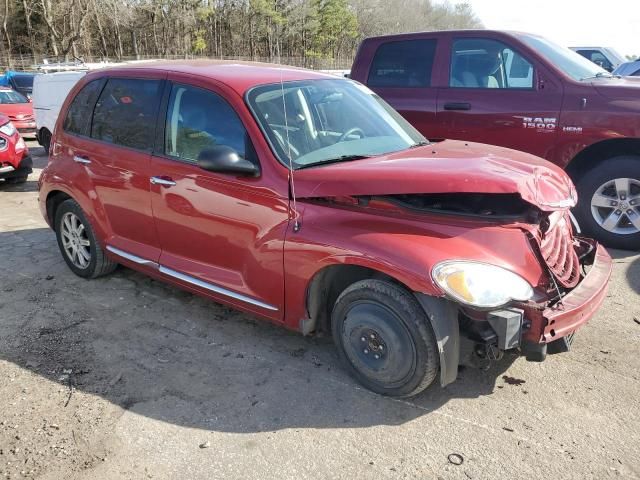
125, 377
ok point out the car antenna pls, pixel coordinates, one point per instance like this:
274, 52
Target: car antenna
292, 187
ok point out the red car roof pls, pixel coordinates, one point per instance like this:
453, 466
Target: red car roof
241, 76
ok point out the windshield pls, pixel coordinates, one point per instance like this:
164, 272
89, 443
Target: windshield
570, 62
23, 81
11, 96
328, 120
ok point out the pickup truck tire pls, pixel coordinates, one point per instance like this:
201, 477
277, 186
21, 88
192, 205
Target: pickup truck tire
384, 338
609, 202
78, 244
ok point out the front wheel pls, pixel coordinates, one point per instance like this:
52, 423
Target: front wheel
609, 202
384, 338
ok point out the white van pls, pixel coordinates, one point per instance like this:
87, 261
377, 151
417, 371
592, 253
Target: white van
49, 93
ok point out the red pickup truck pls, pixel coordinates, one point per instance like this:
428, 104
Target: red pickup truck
524, 92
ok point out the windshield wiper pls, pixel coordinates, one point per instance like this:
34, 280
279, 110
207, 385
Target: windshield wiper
598, 75
341, 158
423, 143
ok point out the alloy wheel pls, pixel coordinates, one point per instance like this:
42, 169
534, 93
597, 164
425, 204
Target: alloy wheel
75, 241
615, 206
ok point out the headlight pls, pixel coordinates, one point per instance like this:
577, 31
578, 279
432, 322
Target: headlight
8, 129
480, 284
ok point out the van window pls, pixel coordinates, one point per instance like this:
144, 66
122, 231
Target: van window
485, 63
126, 113
81, 107
403, 64
198, 119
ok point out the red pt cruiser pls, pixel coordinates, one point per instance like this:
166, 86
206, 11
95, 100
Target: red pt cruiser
305, 199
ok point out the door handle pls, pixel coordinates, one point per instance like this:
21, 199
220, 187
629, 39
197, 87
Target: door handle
81, 159
164, 181
457, 106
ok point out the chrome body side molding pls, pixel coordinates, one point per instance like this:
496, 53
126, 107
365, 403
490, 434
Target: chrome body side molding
131, 257
216, 289
191, 280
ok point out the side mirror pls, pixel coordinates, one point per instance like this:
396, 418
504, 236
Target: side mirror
223, 159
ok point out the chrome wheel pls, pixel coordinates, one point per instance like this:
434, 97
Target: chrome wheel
615, 206
75, 241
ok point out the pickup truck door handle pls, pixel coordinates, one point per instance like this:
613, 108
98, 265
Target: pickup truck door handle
164, 181
457, 106
81, 159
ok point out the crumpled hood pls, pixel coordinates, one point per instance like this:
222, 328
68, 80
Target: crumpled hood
445, 167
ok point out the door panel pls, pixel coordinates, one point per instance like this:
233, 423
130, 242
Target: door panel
497, 96
114, 177
222, 234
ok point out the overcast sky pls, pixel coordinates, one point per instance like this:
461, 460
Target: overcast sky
614, 23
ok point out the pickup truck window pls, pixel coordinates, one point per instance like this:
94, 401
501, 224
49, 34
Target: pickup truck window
597, 57
199, 119
403, 64
571, 63
485, 63
328, 121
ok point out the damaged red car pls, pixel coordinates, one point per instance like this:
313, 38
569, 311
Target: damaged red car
308, 201
15, 162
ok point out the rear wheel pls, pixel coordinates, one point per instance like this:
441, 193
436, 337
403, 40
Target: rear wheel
609, 206
384, 338
78, 244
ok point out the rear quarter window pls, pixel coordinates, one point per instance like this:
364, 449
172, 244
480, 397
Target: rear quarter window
125, 113
403, 64
81, 107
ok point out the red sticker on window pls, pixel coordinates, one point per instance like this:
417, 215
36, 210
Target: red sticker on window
126, 100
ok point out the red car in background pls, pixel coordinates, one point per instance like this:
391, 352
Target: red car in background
19, 110
15, 162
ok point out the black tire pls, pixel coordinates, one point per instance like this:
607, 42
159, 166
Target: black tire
16, 180
376, 317
98, 264
45, 140
590, 182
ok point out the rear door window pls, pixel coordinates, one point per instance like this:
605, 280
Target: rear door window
486, 63
125, 113
403, 64
198, 119
79, 112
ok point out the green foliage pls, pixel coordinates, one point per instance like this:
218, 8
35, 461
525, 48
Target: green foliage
304, 32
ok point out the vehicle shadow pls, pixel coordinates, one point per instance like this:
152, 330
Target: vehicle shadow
28, 186
172, 356
632, 271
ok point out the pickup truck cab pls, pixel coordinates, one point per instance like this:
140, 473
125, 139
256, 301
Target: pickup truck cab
305, 199
524, 92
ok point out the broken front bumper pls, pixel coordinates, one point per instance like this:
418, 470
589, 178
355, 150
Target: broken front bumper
578, 306
555, 324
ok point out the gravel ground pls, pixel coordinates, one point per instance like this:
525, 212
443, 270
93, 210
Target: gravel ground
125, 377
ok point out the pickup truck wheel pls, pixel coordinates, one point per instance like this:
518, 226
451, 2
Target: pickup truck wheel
609, 203
384, 338
78, 244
